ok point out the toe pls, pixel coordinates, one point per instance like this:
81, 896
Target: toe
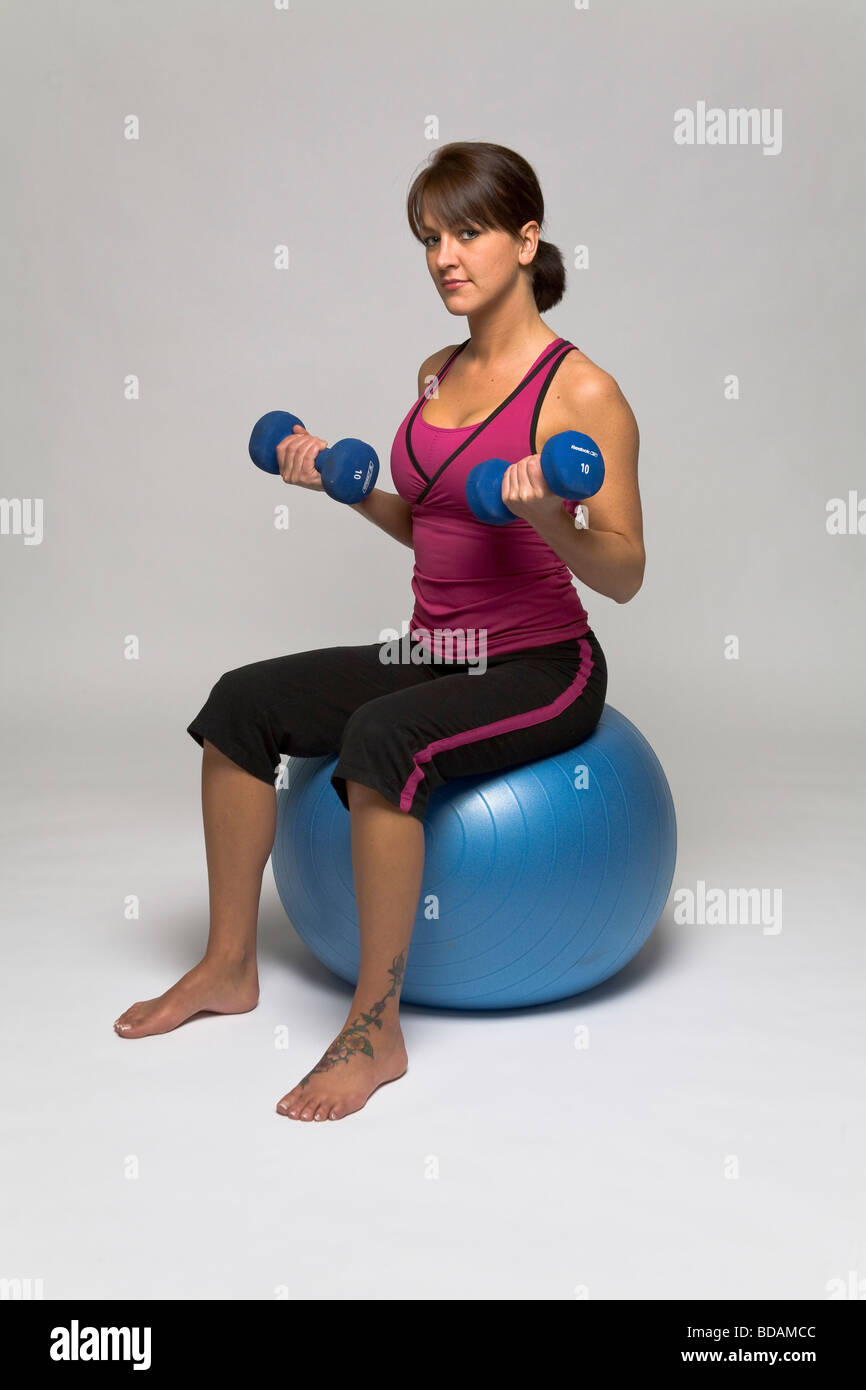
323, 1109
288, 1104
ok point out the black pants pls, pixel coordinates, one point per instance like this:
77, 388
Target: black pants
400, 728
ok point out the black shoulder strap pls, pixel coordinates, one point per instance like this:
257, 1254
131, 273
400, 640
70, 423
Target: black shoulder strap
448, 360
545, 385
560, 347
422, 401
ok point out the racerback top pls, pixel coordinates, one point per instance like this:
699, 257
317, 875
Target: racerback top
504, 580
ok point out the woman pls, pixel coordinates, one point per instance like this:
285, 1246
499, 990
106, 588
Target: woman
402, 729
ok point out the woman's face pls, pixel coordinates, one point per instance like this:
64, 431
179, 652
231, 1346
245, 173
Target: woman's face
471, 265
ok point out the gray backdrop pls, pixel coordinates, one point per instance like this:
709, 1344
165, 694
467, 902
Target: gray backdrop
702, 1143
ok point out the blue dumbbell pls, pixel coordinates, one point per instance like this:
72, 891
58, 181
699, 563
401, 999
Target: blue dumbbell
572, 466
349, 468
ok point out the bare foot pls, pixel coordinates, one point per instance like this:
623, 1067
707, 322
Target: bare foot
210, 987
366, 1055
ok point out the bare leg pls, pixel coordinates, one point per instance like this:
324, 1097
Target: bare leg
387, 862
239, 814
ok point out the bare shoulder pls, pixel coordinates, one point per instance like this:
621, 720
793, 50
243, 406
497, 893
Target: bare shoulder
586, 387
431, 365
583, 396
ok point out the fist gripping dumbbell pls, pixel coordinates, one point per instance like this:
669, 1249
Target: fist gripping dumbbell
572, 466
349, 468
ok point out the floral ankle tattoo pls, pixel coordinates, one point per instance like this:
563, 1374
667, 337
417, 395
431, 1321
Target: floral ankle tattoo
356, 1037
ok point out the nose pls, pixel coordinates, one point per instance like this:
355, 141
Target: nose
446, 256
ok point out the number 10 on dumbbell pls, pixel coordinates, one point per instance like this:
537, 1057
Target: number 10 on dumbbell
349, 469
571, 464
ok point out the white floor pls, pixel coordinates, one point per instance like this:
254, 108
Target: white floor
707, 1143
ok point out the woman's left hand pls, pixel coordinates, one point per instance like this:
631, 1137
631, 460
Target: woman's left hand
525, 492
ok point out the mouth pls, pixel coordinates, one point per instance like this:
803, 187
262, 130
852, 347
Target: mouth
454, 284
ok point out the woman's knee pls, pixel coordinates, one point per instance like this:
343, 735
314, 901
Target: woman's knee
367, 725
377, 741
232, 710
235, 691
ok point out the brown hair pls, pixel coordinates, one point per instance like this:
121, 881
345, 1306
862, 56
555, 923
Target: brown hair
476, 182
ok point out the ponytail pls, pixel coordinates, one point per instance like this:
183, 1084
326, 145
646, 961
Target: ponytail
548, 275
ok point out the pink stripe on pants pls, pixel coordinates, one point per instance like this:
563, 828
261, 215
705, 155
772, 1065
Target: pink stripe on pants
500, 726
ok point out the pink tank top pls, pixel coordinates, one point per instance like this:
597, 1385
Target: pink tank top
468, 576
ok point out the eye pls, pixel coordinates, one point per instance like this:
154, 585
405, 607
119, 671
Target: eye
472, 232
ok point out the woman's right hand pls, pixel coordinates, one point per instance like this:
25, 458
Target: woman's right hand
295, 456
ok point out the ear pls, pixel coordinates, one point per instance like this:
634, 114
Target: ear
529, 235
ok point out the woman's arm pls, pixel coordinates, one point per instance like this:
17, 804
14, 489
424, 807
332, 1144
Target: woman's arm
389, 512
609, 556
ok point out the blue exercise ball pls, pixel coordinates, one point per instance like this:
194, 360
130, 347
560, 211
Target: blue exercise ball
539, 882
